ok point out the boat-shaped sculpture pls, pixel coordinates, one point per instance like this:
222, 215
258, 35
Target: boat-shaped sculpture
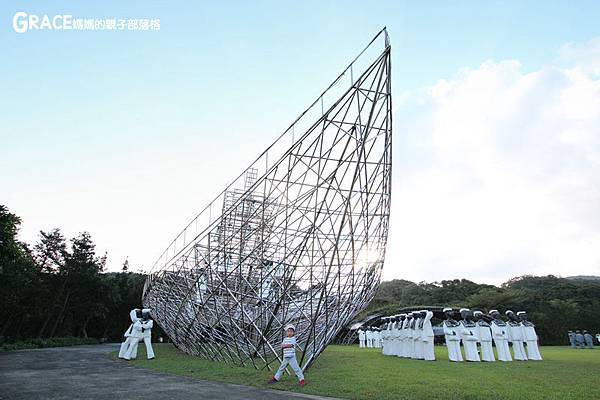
298, 237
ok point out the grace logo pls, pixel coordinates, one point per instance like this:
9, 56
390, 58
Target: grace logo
22, 22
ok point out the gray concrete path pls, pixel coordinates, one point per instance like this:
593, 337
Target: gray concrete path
86, 372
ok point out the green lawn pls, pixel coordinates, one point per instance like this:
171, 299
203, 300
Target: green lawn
350, 372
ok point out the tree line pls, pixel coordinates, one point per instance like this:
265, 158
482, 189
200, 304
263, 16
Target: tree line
58, 287
555, 305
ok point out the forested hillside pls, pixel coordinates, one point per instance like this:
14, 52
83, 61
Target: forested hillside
554, 304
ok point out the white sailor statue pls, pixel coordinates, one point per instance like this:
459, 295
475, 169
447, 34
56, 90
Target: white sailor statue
515, 336
377, 337
417, 344
452, 335
484, 334
385, 344
135, 315
362, 337
401, 336
427, 336
468, 335
500, 335
530, 337
369, 336
393, 335
408, 337
143, 331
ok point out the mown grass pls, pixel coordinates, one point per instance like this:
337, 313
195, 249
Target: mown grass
350, 372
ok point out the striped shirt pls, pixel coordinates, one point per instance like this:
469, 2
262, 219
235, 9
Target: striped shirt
290, 351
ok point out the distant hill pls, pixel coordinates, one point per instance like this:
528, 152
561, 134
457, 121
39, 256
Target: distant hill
583, 278
554, 304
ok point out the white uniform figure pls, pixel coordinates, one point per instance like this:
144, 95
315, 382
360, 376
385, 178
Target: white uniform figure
515, 336
533, 351
409, 336
129, 333
404, 347
377, 337
361, 338
384, 338
143, 331
400, 336
369, 336
390, 338
500, 335
452, 335
417, 336
484, 334
395, 336
468, 335
427, 337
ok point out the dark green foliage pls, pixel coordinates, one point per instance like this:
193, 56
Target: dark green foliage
554, 304
59, 289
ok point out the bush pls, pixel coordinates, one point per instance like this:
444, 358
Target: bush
51, 342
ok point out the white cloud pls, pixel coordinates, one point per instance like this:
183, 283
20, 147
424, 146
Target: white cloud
498, 173
585, 56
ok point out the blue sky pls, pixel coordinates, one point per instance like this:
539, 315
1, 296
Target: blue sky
127, 134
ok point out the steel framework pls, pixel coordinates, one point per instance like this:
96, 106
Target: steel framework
299, 240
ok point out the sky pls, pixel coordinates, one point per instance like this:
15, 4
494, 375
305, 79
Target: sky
128, 134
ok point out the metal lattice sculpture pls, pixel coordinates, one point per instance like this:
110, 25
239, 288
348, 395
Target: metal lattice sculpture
300, 240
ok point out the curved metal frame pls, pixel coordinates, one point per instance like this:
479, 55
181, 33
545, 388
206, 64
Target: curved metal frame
301, 240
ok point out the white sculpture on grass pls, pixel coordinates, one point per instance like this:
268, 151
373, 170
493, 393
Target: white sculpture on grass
427, 337
468, 335
530, 337
142, 331
484, 335
500, 335
515, 336
130, 336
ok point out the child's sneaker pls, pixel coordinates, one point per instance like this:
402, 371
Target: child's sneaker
302, 383
272, 380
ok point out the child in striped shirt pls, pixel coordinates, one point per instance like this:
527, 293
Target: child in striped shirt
289, 356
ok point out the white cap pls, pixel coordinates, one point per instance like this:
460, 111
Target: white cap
447, 309
146, 310
464, 309
521, 312
290, 326
493, 311
477, 313
507, 312
410, 314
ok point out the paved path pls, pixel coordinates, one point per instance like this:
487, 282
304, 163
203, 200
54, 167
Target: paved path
86, 372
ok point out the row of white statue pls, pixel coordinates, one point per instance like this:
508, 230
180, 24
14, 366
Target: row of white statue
411, 336
406, 335
139, 330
